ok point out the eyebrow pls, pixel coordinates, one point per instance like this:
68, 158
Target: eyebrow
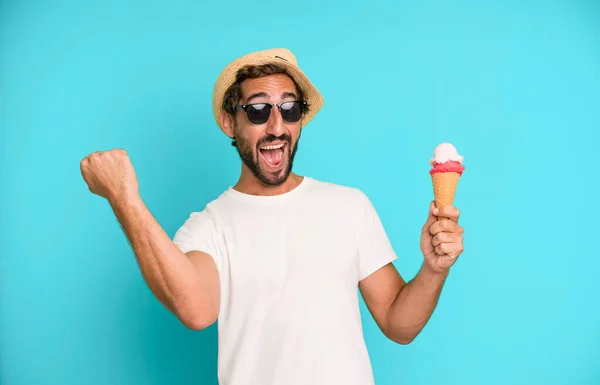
257, 95
289, 95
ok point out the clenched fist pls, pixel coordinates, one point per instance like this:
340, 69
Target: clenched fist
110, 174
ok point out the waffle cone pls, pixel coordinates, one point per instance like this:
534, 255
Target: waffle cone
444, 187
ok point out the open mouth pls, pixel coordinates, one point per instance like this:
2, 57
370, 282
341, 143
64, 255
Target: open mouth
273, 154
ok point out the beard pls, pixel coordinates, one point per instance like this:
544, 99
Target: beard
250, 156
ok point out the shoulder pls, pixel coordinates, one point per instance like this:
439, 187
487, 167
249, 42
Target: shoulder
209, 214
202, 229
337, 189
347, 195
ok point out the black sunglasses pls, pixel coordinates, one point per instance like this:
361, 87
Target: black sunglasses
259, 113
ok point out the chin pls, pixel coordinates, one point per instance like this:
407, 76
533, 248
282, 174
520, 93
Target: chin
274, 178
269, 172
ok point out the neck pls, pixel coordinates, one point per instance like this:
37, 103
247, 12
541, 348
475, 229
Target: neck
249, 184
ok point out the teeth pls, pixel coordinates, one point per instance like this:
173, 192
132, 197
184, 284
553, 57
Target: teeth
272, 147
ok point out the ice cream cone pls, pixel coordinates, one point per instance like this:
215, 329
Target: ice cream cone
447, 168
444, 188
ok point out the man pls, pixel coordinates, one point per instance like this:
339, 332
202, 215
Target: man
279, 258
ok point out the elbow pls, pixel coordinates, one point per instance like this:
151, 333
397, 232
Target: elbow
197, 318
401, 333
402, 338
198, 321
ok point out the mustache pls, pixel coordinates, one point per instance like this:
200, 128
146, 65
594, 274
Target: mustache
272, 138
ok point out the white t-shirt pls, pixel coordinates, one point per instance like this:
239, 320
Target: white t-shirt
289, 268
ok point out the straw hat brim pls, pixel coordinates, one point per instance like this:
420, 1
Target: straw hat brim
282, 57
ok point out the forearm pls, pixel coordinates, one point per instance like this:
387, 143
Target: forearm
414, 305
168, 272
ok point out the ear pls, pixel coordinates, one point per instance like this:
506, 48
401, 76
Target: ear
227, 123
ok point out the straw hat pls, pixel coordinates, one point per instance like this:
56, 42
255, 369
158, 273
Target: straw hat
281, 56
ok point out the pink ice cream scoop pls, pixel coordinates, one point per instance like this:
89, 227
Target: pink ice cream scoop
446, 159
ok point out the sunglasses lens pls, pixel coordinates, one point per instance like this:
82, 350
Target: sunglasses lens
258, 113
291, 112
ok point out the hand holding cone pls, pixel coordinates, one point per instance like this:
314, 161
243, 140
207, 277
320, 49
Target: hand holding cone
442, 237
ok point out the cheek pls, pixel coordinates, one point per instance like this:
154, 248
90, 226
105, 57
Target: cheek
296, 133
293, 130
248, 140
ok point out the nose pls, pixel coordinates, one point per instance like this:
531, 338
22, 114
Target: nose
275, 123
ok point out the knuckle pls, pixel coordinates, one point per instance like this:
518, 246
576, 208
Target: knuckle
432, 229
120, 153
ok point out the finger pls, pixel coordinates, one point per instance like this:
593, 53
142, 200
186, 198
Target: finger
445, 225
459, 249
449, 212
450, 249
444, 237
431, 218
456, 253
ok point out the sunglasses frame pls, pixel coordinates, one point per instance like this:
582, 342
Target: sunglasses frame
303, 104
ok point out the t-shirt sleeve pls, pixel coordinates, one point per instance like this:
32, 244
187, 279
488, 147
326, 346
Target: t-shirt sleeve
200, 232
374, 248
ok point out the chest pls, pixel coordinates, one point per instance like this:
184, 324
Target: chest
298, 249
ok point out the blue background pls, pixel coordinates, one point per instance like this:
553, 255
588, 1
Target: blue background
513, 84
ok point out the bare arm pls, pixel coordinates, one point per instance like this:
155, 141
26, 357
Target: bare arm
400, 309
187, 285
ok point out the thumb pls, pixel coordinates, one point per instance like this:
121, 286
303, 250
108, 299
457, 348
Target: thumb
431, 219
